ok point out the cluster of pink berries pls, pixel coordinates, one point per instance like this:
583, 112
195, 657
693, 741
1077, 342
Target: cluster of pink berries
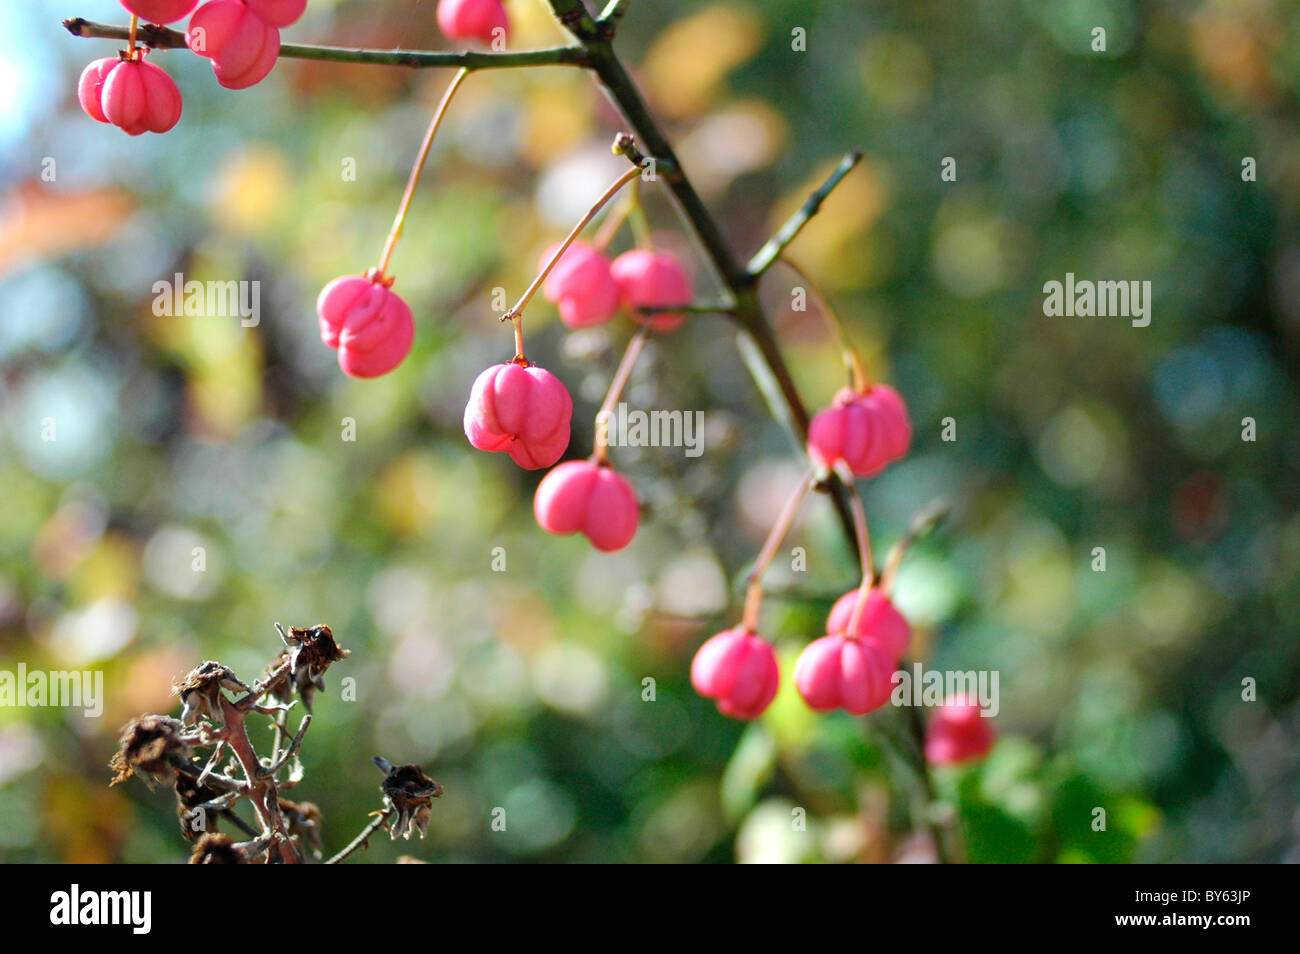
589, 289
853, 665
525, 410
241, 37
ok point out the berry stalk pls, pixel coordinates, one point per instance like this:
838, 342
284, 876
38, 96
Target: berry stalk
859, 379
754, 590
414, 179
609, 193
864, 549
601, 450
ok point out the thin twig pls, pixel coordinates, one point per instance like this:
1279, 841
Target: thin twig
270, 770
754, 590
360, 841
771, 251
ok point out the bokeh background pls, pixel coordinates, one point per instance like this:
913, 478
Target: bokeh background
523, 689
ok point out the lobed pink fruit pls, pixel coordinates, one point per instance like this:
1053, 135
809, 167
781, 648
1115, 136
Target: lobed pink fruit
867, 431
880, 622
472, 19
242, 46
581, 496
278, 13
132, 94
653, 279
524, 411
581, 285
737, 668
368, 323
843, 672
957, 733
160, 11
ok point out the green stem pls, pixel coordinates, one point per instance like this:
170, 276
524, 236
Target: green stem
771, 251
163, 38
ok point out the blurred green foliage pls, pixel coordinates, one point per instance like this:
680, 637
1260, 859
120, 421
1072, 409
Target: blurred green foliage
523, 689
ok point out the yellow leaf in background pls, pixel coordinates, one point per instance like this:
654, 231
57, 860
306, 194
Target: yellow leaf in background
406, 494
226, 391
251, 190
532, 24
853, 208
111, 569
556, 116
685, 67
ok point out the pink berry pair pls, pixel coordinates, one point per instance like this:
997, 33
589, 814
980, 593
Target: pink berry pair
588, 497
588, 288
473, 19
866, 430
853, 670
958, 732
241, 37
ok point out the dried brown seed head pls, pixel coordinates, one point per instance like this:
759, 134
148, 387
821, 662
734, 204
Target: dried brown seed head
215, 848
152, 746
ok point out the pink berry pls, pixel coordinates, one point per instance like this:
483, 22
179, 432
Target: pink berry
649, 279
278, 13
737, 668
581, 496
160, 11
957, 733
581, 285
132, 94
524, 411
837, 672
368, 323
472, 19
880, 622
867, 431
242, 46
